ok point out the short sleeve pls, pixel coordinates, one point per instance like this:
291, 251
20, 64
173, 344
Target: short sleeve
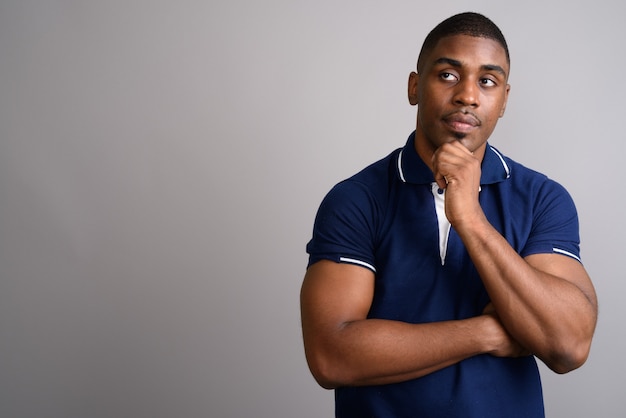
555, 223
345, 225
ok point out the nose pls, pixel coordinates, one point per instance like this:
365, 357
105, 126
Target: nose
466, 94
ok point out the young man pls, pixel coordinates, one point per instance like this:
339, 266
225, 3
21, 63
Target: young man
438, 273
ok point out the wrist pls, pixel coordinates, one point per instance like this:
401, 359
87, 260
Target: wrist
492, 335
473, 223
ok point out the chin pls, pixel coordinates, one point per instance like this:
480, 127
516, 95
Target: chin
466, 142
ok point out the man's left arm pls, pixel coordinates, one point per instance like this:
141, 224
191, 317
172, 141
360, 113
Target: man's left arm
545, 301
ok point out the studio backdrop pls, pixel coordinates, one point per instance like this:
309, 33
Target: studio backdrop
161, 164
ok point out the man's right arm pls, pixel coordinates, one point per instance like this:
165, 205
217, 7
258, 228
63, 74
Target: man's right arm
345, 348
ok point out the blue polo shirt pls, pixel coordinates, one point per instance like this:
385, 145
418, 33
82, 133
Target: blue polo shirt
389, 218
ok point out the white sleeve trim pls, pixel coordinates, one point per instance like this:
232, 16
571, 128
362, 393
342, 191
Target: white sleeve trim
359, 262
567, 253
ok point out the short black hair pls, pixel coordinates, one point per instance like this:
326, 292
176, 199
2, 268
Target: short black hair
468, 23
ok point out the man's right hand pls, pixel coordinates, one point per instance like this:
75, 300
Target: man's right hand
504, 345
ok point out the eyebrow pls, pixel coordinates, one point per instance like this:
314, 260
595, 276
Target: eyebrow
458, 64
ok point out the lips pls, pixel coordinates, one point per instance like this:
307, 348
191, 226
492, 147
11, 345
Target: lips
461, 122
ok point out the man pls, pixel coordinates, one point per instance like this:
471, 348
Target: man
438, 273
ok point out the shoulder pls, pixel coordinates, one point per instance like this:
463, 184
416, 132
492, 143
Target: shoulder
369, 186
533, 195
529, 181
533, 183
349, 216
519, 172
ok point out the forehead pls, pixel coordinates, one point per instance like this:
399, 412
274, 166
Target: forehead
470, 51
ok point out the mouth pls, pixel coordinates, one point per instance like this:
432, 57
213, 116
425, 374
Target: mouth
461, 122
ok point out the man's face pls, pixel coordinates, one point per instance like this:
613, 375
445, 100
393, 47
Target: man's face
461, 92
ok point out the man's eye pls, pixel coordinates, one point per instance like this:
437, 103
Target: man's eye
487, 82
448, 76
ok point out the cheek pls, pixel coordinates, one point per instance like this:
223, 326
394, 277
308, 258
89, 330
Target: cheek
430, 96
426, 117
500, 106
496, 111
430, 106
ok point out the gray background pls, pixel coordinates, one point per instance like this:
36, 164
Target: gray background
161, 164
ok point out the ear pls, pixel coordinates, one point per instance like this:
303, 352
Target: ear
506, 99
412, 90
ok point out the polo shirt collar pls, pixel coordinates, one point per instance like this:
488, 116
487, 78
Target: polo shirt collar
411, 168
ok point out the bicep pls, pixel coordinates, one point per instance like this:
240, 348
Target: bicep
332, 295
565, 268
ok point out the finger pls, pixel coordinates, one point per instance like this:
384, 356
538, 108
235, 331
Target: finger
446, 166
452, 162
441, 181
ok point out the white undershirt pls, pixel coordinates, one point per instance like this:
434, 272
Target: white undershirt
444, 224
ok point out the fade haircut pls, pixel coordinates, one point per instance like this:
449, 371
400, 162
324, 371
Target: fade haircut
469, 23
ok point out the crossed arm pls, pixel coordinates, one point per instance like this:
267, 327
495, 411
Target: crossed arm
545, 301
543, 304
344, 348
